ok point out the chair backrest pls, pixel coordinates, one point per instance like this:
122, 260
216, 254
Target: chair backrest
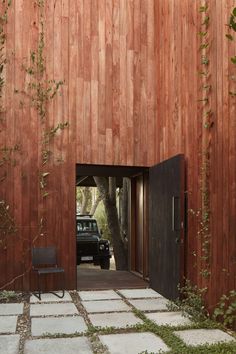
44, 256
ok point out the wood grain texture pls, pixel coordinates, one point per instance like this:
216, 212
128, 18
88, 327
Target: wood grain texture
130, 95
179, 120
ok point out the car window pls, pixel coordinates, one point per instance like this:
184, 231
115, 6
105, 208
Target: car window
87, 225
79, 226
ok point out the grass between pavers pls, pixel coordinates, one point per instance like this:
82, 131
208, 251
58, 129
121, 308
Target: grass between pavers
177, 346
166, 333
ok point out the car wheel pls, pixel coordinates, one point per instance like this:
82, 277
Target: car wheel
105, 263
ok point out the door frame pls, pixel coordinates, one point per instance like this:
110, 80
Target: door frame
134, 224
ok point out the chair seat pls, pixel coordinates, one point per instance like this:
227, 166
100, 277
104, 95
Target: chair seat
49, 270
44, 261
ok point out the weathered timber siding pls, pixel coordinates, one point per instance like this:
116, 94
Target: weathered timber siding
180, 129
130, 97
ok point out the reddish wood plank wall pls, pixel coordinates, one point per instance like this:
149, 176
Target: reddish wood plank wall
179, 126
130, 97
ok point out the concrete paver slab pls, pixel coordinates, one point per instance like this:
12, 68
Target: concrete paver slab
53, 325
49, 297
195, 337
158, 304
168, 318
9, 344
98, 295
53, 309
11, 309
79, 345
8, 325
116, 319
133, 343
139, 293
105, 306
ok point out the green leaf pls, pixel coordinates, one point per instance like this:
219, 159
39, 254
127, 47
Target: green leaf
233, 59
206, 21
232, 23
202, 34
230, 37
205, 61
234, 12
203, 8
204, 46
218, 312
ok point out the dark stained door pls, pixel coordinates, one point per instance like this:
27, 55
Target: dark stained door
166, 222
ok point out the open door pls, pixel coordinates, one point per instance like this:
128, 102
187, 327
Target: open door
166, 226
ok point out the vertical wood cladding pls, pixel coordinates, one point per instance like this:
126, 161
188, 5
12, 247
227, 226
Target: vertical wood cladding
130, 97
179, 121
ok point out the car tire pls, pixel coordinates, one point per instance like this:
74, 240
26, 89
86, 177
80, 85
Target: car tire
105, 263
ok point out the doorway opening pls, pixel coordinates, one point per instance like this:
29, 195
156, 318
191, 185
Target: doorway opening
155, 233
95, 268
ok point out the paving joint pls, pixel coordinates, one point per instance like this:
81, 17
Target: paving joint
98, 331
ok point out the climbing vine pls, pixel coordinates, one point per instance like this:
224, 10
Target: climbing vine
231, 37
7, 224
3, 60
7, 153
41, 91
207, 124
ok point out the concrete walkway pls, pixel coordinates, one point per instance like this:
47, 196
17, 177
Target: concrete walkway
66, 326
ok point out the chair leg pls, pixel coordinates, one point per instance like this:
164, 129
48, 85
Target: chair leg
38, 294
39, 287
62, 287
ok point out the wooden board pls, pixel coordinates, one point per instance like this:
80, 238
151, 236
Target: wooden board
131, 98
166, 226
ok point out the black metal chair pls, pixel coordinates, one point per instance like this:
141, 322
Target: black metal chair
44, 261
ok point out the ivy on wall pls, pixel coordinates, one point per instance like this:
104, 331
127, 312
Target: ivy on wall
207, 125
231, 37
7, 153
39, 92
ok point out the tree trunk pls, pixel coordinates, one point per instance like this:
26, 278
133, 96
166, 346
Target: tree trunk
95, 204
86, 193
124, 211
107, 190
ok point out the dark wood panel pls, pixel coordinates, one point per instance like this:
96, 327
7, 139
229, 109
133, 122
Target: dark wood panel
166, 230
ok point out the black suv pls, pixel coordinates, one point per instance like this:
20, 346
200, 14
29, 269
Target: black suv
91, 248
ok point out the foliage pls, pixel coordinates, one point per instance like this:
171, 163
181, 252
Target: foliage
8, 158
7, 223
84, 197
166, 333
226, 309
191, 302
207, 122
41, 90
231, 37
3, 20
6, 295
47, 137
